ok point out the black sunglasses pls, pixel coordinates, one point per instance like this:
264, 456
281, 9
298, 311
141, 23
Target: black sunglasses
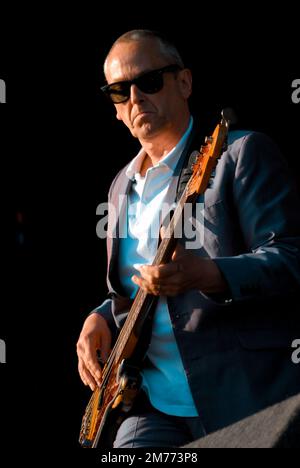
150, 82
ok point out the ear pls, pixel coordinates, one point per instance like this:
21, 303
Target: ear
185, 82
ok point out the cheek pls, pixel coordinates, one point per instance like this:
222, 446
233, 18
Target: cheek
122, 115
164, 104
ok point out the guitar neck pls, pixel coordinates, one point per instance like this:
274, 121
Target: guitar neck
143, 301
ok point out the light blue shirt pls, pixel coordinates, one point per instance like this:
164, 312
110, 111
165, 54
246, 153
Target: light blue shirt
165, 381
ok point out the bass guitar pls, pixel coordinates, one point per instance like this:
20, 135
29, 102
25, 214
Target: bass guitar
121, 380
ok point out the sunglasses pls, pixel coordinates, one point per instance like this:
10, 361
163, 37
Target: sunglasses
149, 83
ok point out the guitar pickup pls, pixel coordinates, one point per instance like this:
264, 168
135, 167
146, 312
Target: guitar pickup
101, 396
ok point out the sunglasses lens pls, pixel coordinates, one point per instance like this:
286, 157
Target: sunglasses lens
118, 92
150, 83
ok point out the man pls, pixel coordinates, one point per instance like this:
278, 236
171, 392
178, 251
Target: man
221, 340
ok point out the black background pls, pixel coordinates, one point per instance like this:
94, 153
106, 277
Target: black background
60, 148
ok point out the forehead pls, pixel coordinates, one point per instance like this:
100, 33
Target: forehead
129, 59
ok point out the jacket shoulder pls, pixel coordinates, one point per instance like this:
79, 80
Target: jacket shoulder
244, 145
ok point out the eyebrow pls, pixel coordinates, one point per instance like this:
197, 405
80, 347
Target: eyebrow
137, 76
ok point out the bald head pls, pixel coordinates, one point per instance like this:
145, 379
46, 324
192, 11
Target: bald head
163, 46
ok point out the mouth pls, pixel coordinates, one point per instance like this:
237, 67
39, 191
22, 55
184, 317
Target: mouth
141, 115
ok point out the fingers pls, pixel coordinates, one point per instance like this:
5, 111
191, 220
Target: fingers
168, 289
88, 366
169, 279
149, 287
92, 364
86, 376
95, 335
156, 274
153, 283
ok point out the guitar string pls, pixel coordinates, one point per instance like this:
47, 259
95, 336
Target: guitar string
140, 295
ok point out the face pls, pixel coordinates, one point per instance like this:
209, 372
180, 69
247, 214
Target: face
148, 115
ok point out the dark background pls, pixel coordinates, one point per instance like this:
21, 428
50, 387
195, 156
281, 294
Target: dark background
60, 148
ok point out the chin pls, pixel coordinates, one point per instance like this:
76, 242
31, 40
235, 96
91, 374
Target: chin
146, 130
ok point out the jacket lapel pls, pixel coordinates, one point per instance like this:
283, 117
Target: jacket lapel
118, 203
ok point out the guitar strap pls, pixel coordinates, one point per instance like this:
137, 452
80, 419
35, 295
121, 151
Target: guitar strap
188, 157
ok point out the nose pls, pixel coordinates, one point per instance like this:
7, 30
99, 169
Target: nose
136, 95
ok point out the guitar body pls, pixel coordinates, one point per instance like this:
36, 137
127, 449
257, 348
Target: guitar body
109, 406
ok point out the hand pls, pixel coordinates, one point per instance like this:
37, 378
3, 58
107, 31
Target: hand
185, 271
95, 335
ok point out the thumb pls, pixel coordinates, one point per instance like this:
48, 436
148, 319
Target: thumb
162, 231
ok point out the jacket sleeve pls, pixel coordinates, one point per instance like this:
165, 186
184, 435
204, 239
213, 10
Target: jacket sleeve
267, 204
105, 310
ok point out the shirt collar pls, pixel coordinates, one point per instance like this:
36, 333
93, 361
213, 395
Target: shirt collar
170, 160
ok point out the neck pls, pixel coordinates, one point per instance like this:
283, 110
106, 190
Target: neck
159, 146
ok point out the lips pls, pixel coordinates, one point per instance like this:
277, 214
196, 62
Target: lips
141, 114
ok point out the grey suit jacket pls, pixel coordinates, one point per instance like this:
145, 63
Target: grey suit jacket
236, 349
